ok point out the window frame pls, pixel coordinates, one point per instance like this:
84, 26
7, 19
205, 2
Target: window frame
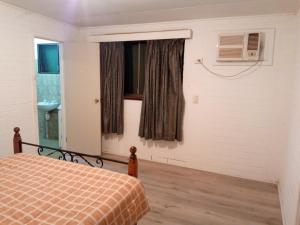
40, 58
135, 96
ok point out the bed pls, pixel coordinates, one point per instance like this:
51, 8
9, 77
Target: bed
41, 190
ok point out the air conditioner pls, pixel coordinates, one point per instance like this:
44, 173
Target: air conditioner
239, 47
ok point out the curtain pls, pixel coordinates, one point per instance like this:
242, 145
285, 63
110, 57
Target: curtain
163, 103
112, 86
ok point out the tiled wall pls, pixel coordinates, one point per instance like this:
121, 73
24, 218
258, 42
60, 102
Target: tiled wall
48, 89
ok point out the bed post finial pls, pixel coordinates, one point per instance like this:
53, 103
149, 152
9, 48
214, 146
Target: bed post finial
133, 163
17, 141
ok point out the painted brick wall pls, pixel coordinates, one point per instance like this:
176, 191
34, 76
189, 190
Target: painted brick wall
289, 185
239, 127
17, 85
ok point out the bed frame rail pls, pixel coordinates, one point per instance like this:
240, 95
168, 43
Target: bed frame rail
75, 157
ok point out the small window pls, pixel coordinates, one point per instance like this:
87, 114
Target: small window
48, 58
134, 70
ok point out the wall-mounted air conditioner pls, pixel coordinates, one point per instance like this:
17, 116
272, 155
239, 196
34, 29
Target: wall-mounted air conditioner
239, 47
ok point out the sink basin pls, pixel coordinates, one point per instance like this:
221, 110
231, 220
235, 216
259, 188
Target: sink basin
47, 106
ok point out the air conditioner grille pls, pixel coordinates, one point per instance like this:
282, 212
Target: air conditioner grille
232, 40
230, 53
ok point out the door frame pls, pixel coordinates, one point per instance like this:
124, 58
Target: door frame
63, 137
298, 209
62, 90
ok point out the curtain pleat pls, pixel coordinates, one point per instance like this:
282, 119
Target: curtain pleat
112, 86
163, 102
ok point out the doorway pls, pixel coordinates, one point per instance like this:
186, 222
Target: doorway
49, 94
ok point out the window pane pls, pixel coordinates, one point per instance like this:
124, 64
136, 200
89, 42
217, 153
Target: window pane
48, 58
131, 68
134, 68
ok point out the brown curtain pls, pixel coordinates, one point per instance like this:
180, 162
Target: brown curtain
163, 103
112, 79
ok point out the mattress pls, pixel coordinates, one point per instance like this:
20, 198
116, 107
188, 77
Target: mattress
40, 190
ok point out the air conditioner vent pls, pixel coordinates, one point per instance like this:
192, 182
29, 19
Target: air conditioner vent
229, 53
232, 40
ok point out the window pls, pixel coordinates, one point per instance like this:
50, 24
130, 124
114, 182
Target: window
48, 58
134, 69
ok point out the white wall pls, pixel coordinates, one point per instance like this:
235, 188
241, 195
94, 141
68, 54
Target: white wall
239, 127
289, 185
17, 91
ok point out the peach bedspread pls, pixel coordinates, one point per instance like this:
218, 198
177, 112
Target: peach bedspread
40, 190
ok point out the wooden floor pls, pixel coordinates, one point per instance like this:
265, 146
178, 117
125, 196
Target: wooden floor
180, 196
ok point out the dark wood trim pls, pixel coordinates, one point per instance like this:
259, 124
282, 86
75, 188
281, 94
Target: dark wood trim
133, 163
134, 97
17, 141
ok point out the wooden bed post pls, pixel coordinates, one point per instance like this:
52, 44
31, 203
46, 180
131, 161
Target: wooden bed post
133, 163
17, 141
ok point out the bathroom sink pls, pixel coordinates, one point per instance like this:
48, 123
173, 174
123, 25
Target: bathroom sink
47, 106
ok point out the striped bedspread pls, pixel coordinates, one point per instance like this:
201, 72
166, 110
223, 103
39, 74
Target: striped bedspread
39, 190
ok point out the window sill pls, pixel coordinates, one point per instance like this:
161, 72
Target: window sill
133, 97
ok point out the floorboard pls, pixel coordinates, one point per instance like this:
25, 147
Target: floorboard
180, 196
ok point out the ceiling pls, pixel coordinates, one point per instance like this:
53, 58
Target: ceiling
111, 12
